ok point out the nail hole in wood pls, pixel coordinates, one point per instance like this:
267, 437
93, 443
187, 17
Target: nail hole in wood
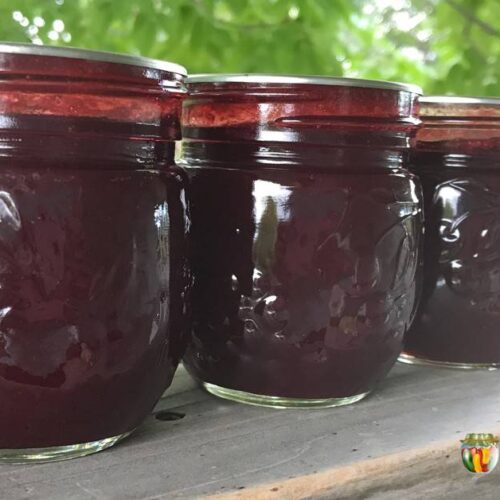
168, 416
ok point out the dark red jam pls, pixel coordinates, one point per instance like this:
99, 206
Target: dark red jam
458, 162
306, 228
92, 244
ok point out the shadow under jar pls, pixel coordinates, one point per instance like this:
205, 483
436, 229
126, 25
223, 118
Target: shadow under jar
92, 245
306, 229
458, 161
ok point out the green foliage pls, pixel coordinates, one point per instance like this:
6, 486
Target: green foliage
446, 46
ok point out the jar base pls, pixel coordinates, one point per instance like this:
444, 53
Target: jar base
278, 402
57, 453
414, 360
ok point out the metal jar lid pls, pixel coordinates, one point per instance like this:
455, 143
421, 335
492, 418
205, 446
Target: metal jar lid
447, 99
90, 55
267, 79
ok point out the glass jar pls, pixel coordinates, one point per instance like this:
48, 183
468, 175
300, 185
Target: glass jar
458, 162
92, 245
305, 227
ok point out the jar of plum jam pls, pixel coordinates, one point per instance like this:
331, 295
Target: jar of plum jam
458, 161
92, 246
306, 229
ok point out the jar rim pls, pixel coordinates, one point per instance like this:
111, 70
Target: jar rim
270, 79
91, 55
465, 100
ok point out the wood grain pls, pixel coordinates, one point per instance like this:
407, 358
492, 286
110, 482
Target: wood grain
396, 440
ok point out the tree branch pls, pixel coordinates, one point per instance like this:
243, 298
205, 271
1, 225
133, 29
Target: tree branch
220, 23
470, 16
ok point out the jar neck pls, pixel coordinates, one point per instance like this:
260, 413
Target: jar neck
328, 132
247, 155
479, 160
82, 142
261, 121
466, 136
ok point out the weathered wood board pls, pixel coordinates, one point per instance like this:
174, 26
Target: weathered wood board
402, 441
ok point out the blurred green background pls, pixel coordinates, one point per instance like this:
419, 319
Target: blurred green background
446, 46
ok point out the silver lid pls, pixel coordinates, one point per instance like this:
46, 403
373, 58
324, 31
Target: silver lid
296, 79
90, 55
447, 99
